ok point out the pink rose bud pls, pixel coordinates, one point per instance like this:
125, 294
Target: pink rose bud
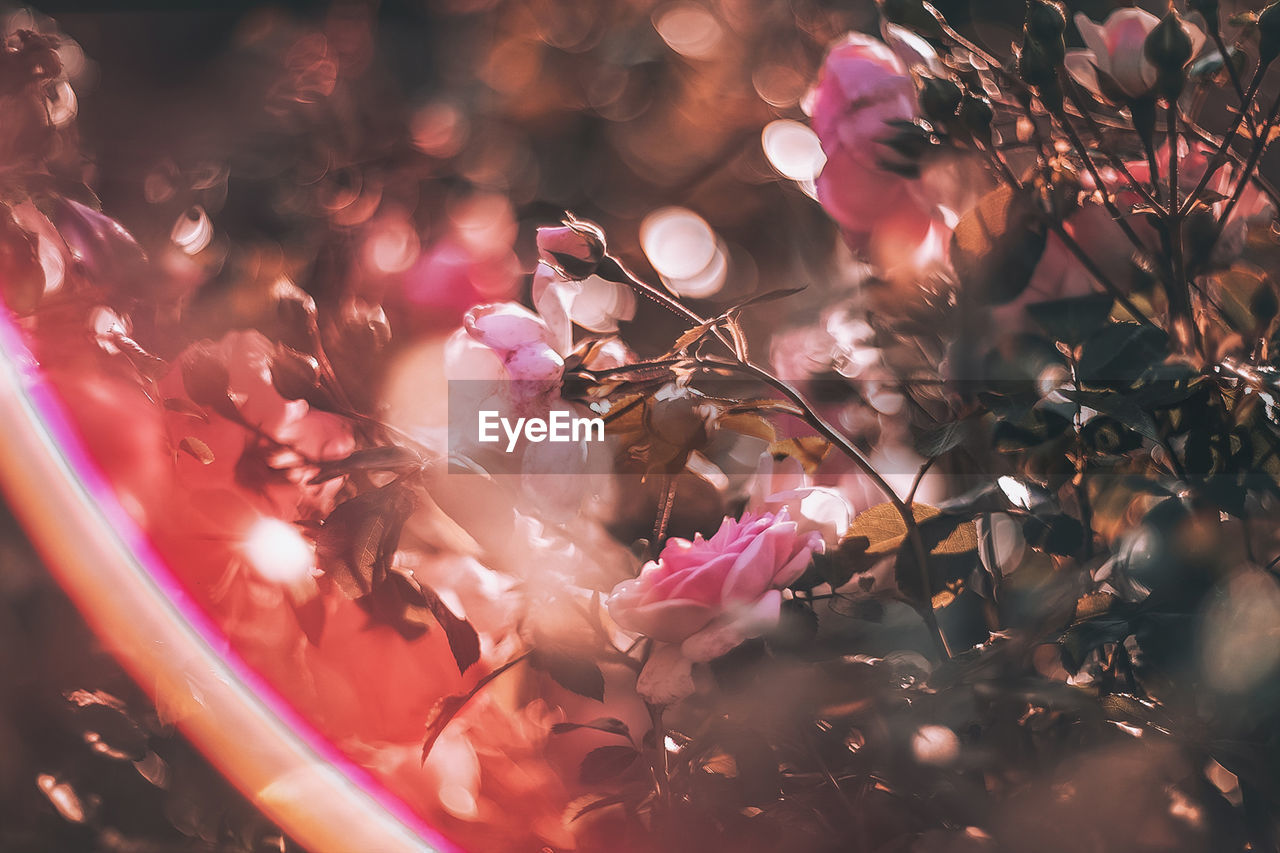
1114, 63
575, 248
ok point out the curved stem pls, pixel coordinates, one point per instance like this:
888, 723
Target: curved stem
1245, 99
825, 429
919, 552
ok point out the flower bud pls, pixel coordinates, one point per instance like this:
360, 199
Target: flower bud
576, 247
1045, 20
1036, 64
940, 98
1168, 48
1268, 35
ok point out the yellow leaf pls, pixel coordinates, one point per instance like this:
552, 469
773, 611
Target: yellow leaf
884, 531
809, 451
748, 423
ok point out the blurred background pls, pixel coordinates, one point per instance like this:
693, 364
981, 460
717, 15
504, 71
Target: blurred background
404, 152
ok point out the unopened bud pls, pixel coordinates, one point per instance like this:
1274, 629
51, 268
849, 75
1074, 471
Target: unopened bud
1268, 35
575, 248
1035, 64
1045, 20
1169, 48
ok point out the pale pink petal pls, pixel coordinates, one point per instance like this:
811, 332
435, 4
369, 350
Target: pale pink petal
505, 326
466, 359
1095, 38
753, 570
1082, 65
552, 296
725, 634
535, 363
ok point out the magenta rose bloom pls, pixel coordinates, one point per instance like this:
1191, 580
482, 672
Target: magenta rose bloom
702, 598
863, 87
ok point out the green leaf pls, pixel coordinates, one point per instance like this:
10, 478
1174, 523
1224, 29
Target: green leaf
603, 764
1073, 319
196, 449
1117, 354
609, 725
997, 245
574, 674
937, 441
1122, 407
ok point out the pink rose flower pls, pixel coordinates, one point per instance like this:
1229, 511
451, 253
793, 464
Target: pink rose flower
705, 597
1115, 50
863, 87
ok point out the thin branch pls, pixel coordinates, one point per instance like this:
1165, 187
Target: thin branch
1094, 270
1259, 147
1224, 147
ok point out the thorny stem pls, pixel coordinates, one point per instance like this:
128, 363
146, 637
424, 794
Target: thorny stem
1081, 486
1072, 91
1208, 138
1245, 100
1179, 290
1107, 201
827, 431
1259, 148
1224, 148
831, 434
1088, 263
662, 761
667, 486
919, 478
1069, 89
